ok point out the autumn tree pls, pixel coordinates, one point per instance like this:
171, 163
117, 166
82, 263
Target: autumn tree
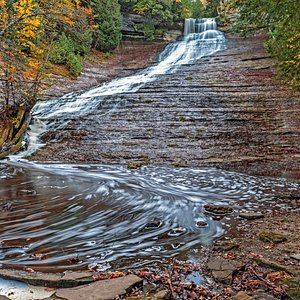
281, 19
27, 29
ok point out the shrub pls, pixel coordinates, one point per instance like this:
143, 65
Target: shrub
63, 53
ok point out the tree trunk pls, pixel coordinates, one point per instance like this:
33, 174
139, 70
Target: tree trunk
12, 130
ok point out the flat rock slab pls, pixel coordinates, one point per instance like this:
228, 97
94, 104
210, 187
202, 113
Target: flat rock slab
275, 266
101, 290
218, 209
251, 215
63, 280
223, 269
296, 256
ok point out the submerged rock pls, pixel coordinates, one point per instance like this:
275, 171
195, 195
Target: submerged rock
177, 231
201, 223
155, 223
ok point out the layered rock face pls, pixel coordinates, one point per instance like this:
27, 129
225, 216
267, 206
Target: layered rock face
228, 111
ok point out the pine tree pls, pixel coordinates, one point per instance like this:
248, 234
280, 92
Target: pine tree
108, 21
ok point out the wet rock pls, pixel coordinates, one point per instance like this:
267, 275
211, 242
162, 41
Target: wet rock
135, 165
64, 280
177, 231
293, 287
218, 209
274, 237
101, 290
161, 295
275, 266
201, 223
97, 267
7, 206
155, 223
251, 215
241, 296
225, 246
223, 270
3, 297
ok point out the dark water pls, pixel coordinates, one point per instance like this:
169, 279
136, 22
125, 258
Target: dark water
54, 213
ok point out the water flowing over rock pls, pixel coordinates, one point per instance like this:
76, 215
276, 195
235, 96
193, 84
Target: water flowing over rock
57, 113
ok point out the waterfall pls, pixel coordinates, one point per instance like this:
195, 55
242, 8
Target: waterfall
200, 39
199, 25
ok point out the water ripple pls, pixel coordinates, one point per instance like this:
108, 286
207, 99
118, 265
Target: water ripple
102, 214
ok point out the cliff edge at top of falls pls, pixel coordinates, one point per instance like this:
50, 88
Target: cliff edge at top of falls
227, 110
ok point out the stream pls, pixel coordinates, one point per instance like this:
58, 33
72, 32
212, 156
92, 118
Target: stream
56, 217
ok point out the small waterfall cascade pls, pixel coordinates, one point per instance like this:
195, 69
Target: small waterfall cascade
202, 29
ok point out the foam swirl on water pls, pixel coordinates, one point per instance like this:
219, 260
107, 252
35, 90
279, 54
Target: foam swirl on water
53, 213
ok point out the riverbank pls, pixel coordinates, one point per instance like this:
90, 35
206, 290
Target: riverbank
257, 260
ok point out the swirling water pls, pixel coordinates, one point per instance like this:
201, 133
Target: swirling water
57, 217
53, 213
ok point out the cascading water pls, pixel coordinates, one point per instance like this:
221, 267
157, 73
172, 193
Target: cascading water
56, 113
107, 214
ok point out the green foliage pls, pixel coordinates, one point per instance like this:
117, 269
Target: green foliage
108, 21
197, 9
149, 31
81, 34
282, 21
63, 53
75, 64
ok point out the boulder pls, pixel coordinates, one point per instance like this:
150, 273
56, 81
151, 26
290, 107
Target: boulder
274, 237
